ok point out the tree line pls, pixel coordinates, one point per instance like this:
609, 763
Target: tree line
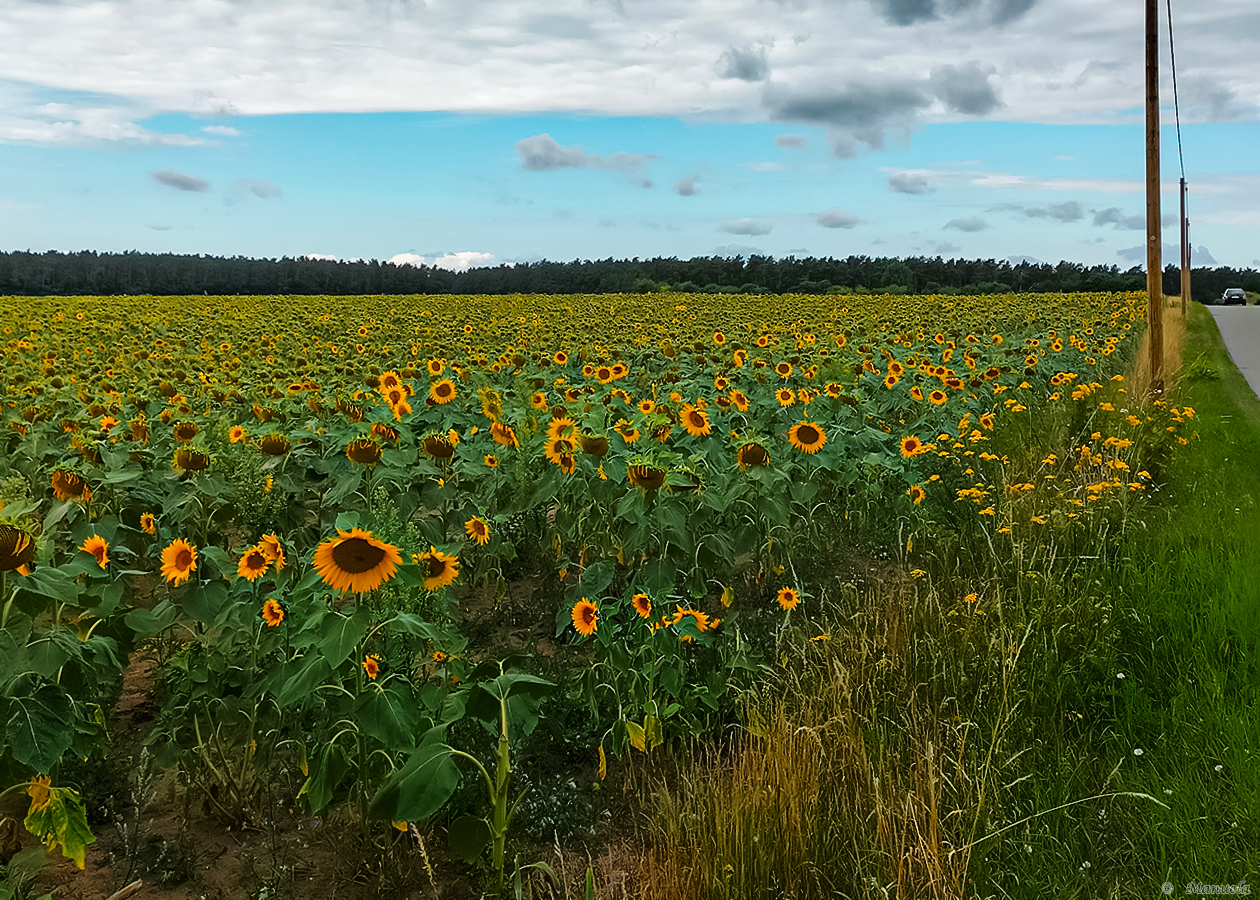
24, 273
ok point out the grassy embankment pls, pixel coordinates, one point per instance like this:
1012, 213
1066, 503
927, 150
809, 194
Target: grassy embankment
1068, 714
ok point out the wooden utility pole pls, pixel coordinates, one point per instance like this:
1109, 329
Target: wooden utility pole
1185, 252
1154, 265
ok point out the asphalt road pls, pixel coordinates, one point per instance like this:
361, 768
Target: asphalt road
1240, 327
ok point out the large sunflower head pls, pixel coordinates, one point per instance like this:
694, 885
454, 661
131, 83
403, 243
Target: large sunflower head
593, 444
272, 548
437, 446
273, 612
916, 493
189, 460
70, 485
478, 530
179, 560
753, 454
788, 598
642, 604
148, 523
625, 428
356, 561
559, 427
186, 431
253, 564
17, 548
442, 392
98, 547
364, 451
648, 477
274, 444
911, 446
439, 569
695, 421
504, 434
807, 437
585, 617
785, 396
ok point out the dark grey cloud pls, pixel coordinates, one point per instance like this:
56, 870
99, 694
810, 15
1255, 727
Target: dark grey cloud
1169, 253
747, 226
908, 183
945, 248
965, 88
792, 141
837, 218
686, 186
1200, 257
745, 63
970, 224
173, 178
909, 12
1115, 217
541, 153
858, 112
1070, 211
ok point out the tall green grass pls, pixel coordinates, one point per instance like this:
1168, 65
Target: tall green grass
1088, 727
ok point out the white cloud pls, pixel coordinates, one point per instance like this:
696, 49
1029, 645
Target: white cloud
746, 226
837, 218
1061, 61
221, 130
324, 256
454, 262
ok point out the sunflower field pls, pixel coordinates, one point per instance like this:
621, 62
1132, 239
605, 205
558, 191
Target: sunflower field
293, 499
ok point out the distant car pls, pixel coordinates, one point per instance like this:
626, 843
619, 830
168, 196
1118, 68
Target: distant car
1234, 295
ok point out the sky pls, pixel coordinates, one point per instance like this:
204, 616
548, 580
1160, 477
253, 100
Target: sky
476, 132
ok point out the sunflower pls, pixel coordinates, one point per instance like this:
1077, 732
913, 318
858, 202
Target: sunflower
504, 434
557, 447
558, 426
628, 432
148, 523
372, 665
740, 399
491, 461
788, 598
273, 612
808, 437
272, 548
719, 338
274, 444
620, 370
68, 485
785, 396
585, 617
238, 434
604, 374
642, 604
478, 530
660, 433
253, 564
916, 493
567, 463
696, 421
440, 569
442, 391
355, 561
17, 548
986, 421
98, 547
389, 380
752, 454
937, 397
185, 431
650, 478
739, 357
593, 444
437, 446
436, 366
647, 406
538, 400
385, 432
783, 369
560, 358
364, 451
911, 446
189, 460
179, 560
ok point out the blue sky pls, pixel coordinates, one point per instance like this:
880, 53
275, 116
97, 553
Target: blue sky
587, 129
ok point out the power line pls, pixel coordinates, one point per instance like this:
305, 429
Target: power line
1172, 52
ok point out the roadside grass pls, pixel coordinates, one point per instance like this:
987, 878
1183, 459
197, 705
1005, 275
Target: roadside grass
1070, 715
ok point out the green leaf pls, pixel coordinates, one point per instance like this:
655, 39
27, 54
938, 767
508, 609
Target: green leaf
596, 578
523, 693
329, 767
52, 650
148, 622
344, 487
339, 634
348, 519
62, 821
222, 563
420, 788
468, 836
390, 714
40, 727
296, 679
205, 602
51, 583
